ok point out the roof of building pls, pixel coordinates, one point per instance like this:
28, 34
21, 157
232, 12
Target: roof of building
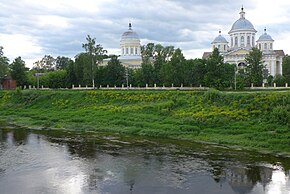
220, 39
242, 24
265, 37
206, 55
130, 34
279, 53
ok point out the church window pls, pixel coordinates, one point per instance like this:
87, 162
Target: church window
123, 51
232, 42
242, 41
219, 46
271, 46
265, 46
236, 41
132, 50
224, 47
248, 41
127, 51
260, 46
136, 51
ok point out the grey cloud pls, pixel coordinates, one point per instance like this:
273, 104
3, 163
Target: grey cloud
154, 20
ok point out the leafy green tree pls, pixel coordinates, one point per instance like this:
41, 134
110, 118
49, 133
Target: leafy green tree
47, 63
177, 63
147, 74
255, 67
194, 72
212, 76
71, 78
18, 71
4, 62
54, 79
115, 72
83, 69
158, 56
96, 53
62, 62
279, 80
286, 68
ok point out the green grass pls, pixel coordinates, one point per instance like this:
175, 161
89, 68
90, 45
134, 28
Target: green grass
251, 120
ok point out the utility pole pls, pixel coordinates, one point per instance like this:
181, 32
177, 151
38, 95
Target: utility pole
236, 69
127, 77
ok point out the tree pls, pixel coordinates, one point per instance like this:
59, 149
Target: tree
115, 72
254, 68
286, 68
96, 54
147, 74
62, 62
71, 78
18, 71
47, 63
4, 62
177, 63
212, 76
82, 69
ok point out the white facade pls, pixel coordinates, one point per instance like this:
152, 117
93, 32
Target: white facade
130, 50
242, 40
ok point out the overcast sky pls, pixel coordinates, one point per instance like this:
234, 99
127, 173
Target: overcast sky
34, 28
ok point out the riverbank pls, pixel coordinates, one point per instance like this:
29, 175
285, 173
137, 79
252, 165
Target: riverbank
251, 120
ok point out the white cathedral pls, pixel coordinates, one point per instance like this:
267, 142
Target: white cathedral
242, 40
130, 50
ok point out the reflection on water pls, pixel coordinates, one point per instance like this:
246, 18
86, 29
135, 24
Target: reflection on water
67, 162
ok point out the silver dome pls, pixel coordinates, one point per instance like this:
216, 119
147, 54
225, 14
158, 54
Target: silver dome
265, 37
130, 34
242, 24
220, 39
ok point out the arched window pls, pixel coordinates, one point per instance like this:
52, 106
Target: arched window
224, 47
236, 41
271, 46
127, 51
260, 46
242, 41
136, 51
232, 42
132, 50
265, 46
248, 41
123, 51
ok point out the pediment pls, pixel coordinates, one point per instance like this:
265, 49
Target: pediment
240, 51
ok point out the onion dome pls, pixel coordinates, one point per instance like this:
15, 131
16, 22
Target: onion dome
242, 24
265, 37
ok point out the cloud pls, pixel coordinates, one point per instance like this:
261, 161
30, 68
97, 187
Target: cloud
59, 27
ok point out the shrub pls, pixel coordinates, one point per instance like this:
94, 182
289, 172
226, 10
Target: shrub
280, 114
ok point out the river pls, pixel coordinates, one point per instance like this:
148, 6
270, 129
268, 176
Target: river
68, 162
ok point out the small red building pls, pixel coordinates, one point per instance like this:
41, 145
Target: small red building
8, 83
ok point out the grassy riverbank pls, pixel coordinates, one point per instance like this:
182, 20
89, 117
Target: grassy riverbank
256, 120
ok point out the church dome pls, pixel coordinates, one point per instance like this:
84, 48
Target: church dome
265, 37
130, 34
242, 24
219, 39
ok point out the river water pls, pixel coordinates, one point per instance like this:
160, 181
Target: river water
75, 163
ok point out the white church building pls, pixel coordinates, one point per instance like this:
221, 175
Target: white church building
242, 40
130, 50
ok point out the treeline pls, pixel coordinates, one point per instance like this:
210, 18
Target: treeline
161, 65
